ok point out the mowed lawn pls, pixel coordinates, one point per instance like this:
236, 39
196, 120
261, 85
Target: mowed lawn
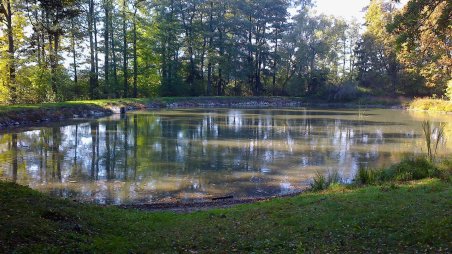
410, 217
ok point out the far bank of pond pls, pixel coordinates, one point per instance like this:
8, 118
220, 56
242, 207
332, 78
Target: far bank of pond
37, 114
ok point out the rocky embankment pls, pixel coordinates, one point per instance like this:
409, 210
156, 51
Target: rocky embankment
37, 115
22, 117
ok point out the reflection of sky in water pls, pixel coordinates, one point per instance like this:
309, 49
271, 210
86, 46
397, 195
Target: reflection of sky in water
188, 155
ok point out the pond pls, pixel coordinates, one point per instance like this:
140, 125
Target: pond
191, 155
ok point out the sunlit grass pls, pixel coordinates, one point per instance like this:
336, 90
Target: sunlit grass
100, 103
434, 105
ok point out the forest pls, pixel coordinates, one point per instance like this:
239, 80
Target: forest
60, 50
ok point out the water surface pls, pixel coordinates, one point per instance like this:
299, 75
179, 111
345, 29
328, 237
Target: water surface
195, 154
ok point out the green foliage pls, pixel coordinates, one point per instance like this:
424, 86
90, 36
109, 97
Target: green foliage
407, 170
422, 30
449, 89
321, 182
211, 48
366, 176
445, 170
346, 92
434, 105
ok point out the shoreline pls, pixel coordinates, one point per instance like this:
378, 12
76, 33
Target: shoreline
34, 115
190, 207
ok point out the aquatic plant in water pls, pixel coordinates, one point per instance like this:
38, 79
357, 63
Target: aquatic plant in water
434, 135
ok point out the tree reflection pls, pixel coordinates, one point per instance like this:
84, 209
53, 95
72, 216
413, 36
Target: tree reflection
14, 152
184, 153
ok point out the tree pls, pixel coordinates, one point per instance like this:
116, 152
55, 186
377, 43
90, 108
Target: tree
7, 17
423, 30
377, 62
93, 75
125, 57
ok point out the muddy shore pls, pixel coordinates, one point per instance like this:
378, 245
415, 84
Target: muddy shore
189, 207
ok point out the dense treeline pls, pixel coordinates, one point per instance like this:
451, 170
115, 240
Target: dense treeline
88, 49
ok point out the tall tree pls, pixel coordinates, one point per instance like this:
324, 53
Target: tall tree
135, 56
125, 67
93, 80
7, 17
107, 7
423, 30
377, 59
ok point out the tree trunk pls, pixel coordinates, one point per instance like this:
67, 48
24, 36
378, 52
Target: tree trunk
11, 51
209, 67
74, 56
220, 67
135, 57
125, 62
113, 52
92, 74
96, 51
275, 64
55, 40
250, 58
106, 47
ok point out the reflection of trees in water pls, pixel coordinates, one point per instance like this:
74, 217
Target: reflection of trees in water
56, 156
202, 149
13, 148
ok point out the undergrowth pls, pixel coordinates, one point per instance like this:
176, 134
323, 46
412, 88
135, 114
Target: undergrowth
409, 169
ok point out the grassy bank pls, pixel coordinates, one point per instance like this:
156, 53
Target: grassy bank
433, 105
19, 115
408, 217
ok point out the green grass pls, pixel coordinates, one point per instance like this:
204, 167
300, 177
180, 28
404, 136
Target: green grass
56, 105
409, 217
433, 105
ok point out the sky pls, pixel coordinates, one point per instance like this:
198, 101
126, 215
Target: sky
347, 9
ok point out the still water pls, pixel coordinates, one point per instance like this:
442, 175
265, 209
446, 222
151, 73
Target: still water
190, 155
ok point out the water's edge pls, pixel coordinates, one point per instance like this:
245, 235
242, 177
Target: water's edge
37, 117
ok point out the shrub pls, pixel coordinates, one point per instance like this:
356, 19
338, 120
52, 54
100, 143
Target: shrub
407, 170
445, 170
449, 89
322, 182
347, 92
431, 105
366, 176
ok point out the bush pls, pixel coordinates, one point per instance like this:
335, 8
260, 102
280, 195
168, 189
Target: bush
449, 89
366, 176
407, 170
445, 170
431, 105
347, 92
322, 182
